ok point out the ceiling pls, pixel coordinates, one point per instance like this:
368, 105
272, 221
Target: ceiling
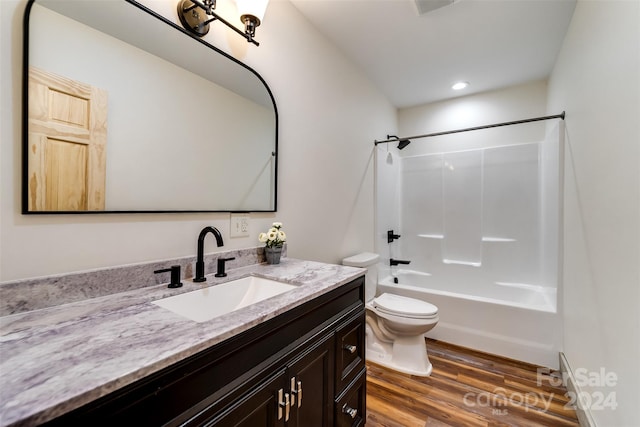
415, 58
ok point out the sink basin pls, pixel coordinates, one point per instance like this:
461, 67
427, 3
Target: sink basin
213, 301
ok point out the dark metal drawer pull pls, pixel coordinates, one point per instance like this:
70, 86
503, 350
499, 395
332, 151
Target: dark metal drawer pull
349, 411
350, 348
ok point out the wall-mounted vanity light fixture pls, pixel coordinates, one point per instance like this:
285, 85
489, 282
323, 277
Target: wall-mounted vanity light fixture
196, 15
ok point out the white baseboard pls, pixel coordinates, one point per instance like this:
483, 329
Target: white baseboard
495, 343
584, 414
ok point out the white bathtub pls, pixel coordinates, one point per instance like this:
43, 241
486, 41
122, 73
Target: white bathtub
513, 320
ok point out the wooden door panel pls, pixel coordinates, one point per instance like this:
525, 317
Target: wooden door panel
68, 109
68, 121
66, 175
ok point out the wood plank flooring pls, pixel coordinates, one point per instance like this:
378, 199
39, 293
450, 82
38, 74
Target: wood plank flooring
466, 388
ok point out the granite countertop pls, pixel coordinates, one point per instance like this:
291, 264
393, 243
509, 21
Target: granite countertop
56, 359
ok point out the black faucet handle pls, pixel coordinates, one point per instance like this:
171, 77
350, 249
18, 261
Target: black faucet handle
175, 275
221, 266
391, 237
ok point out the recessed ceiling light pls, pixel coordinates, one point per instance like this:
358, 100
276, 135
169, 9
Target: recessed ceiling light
459, 85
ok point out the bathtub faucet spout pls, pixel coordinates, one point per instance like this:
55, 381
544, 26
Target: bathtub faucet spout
393, 262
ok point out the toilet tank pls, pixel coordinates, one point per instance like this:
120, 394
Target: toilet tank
369, 261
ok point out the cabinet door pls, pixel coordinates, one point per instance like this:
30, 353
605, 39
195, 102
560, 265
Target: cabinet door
311, 384
260, 407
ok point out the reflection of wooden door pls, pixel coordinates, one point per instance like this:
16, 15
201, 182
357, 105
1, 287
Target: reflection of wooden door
67, 144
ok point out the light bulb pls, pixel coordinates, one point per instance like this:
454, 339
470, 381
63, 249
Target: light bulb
460, 85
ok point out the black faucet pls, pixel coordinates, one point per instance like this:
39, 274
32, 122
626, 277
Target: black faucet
200, 260
393, 262
221, 265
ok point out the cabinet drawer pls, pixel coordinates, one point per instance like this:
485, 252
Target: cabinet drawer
350, 409
350, 351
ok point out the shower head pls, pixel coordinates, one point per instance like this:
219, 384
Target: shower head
403, 143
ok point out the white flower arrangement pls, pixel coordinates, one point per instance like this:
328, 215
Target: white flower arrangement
274, 237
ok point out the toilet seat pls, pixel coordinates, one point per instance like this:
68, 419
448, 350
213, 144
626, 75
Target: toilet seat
404, 307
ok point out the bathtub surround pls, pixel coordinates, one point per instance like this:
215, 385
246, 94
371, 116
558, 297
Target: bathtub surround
461, 204
489, 208
33, 294
479, 225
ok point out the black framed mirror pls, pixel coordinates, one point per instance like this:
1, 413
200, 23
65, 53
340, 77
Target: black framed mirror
125, 112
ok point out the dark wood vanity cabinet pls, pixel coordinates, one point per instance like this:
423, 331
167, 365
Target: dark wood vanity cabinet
303, 368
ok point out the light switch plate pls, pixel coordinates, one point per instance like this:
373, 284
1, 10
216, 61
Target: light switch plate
239, 225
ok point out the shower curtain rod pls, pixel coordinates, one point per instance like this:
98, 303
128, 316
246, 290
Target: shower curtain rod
517, 122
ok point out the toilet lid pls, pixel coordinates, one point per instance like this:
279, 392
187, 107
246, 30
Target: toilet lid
404, 306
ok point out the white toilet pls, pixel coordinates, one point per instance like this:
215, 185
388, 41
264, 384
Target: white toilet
395, 324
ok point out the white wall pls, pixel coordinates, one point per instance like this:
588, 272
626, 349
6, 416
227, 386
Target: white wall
329, 116
503, 105
596, 80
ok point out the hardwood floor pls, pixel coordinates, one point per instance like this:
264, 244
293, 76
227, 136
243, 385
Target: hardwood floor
466, 388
